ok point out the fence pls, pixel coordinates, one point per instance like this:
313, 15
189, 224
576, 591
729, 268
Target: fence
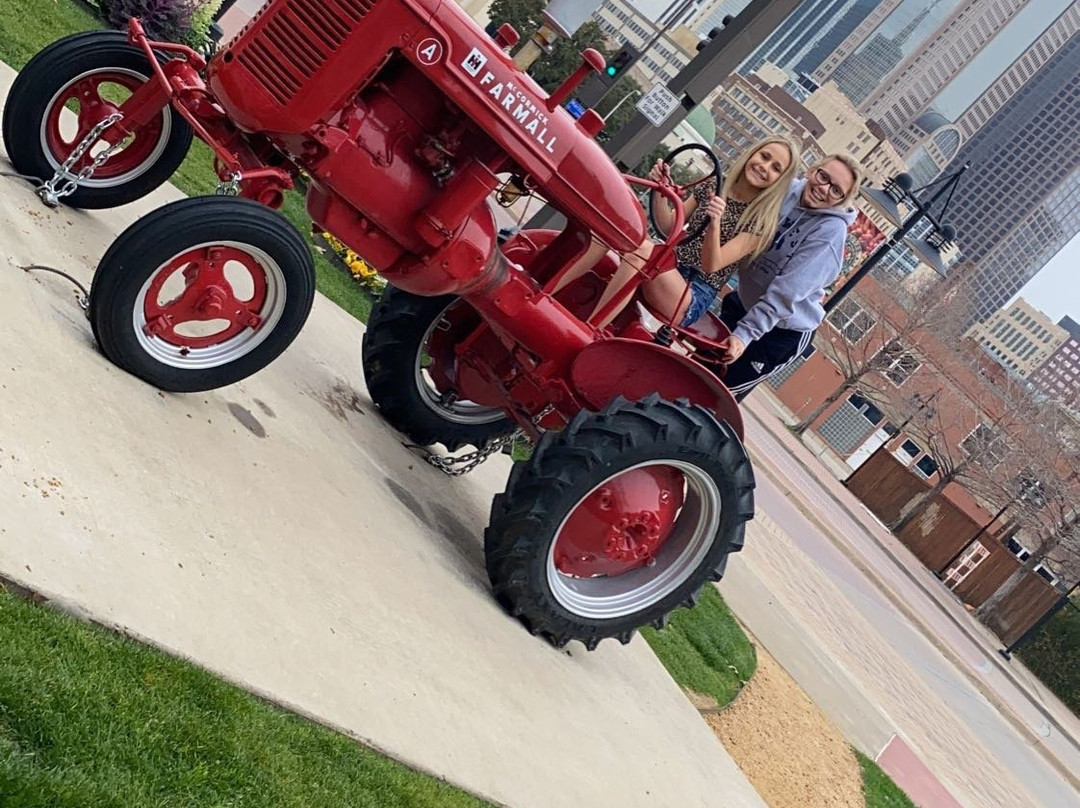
886, 487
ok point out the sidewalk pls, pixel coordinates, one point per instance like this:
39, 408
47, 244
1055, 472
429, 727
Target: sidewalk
1049, 725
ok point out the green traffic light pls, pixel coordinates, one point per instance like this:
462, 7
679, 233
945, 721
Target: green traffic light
611, 70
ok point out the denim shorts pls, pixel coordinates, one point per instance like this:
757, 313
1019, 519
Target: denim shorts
702, 295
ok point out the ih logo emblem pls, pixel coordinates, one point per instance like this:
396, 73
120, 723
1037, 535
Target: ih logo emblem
474, 62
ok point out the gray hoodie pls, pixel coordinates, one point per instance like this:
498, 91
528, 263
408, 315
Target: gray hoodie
784, 286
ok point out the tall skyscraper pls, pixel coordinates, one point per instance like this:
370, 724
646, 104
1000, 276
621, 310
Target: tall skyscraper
1019, 204
931, 141
861, 73
832, 36
911, 88
796, 35
853, 41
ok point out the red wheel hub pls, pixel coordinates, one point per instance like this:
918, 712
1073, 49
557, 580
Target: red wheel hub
93, 108
207, 295
622, 524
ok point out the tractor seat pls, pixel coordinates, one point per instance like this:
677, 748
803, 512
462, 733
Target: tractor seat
709, 332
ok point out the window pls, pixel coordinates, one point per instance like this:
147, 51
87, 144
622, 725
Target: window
985, 445
911, 449
1045, 573
897, 363
927, 466
851, 321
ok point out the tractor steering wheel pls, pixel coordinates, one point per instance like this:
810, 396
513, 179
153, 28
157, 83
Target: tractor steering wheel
715, 175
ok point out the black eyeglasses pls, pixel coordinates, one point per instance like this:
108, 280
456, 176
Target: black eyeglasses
821, 177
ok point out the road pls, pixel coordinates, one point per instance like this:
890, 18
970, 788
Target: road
981, 757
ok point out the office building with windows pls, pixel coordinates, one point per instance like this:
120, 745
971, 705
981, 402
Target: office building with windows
1020, 337
1059, 376
910, 89
791, 41
931, 141
861, 74
854, 40
749, 109
831, 36
1019, 204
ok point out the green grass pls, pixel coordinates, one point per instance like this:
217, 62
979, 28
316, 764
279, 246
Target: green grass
23, 34
704, 649
25, 30
91, 720
878, 788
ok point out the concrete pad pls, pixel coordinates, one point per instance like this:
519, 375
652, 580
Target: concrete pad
277, 533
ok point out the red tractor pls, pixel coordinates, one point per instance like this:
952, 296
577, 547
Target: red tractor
404, 117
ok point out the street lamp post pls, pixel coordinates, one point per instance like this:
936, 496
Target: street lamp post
898, 191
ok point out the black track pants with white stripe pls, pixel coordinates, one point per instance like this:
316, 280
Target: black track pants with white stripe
762, 357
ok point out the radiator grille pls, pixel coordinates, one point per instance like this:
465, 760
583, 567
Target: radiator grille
298, 37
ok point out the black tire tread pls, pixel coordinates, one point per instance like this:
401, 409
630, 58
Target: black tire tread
389, 349
565, 465
43, 76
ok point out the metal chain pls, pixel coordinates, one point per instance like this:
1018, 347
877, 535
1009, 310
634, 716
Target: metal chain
48, 190
463, 464
230, 188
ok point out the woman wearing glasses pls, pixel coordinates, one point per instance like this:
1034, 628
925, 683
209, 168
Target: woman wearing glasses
742, 220
777, 307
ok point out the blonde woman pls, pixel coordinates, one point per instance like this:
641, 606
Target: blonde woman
777, 307
742, 222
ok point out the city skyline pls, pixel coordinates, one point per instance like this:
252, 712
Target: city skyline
1044, 289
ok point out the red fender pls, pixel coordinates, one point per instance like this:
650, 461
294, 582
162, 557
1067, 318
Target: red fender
634, 369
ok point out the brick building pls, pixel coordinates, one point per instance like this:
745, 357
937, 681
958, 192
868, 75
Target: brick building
924, 406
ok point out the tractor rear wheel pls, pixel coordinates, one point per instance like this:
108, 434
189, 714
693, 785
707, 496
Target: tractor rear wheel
409, 362
618, 519
202, 293
67, 89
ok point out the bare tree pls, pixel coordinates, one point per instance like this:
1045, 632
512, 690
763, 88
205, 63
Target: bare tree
975, 458
874, 336
1050, 454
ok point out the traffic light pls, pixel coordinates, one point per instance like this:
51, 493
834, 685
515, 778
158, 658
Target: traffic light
620, 62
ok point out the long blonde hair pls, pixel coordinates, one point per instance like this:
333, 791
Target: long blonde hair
762, 216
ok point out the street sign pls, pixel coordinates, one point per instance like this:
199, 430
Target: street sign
658, 104
575, 107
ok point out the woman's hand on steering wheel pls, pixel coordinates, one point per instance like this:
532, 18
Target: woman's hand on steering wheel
715, 209
660, 172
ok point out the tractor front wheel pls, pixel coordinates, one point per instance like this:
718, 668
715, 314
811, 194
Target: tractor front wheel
202, 293
64, 92
618, 519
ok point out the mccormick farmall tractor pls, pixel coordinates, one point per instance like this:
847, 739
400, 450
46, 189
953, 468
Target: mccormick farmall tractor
405, 117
